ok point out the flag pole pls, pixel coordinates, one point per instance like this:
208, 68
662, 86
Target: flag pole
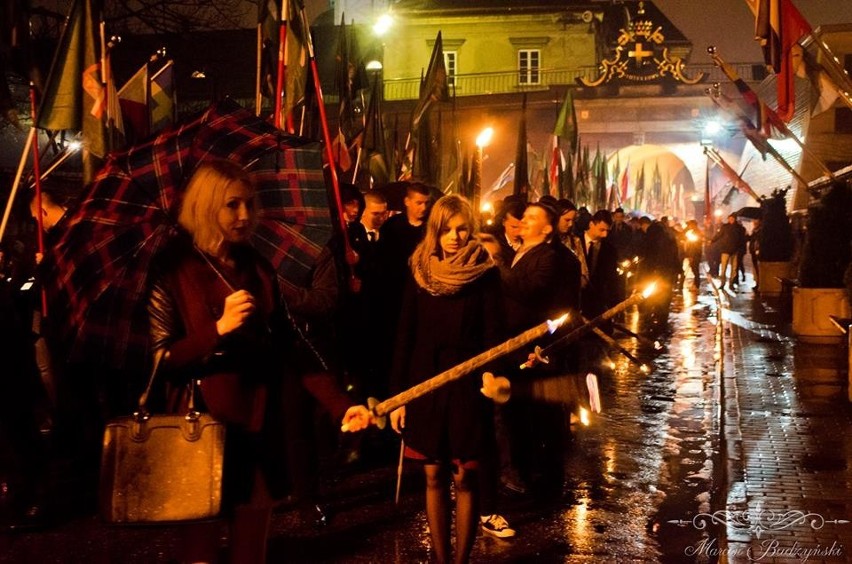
282, 66
776, 122
350, 255
739, 183
37, 173
258, 97
747, 127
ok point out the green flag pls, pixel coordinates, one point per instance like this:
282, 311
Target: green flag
74, 97
566, 123
434, 86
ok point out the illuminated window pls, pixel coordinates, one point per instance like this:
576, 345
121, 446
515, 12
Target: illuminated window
529, 66
451, 62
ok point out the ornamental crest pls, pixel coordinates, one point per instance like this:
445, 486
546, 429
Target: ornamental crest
641, 56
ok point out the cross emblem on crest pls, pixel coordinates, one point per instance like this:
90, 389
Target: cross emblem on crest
639, 53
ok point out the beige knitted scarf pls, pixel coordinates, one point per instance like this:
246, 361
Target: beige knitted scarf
446, 277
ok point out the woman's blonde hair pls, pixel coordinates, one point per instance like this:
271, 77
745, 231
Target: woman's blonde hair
442, 212
204, 197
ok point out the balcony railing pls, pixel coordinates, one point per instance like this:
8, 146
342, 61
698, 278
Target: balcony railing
478, 84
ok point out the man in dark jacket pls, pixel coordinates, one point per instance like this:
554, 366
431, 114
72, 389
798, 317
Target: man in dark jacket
730, 239
534, 289
605, 288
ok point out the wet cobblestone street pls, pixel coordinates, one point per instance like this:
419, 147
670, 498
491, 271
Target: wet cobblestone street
668, 446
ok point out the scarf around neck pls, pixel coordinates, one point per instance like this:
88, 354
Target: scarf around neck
446, 277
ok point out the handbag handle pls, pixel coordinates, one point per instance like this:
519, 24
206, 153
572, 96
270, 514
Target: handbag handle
143, 399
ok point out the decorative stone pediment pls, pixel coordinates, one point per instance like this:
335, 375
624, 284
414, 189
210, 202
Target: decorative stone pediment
641, 55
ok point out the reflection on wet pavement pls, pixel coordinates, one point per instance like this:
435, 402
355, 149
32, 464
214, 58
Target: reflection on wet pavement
635, 477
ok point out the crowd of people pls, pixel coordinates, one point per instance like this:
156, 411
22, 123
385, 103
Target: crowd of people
430, 289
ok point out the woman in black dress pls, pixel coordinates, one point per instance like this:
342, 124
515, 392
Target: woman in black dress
451, 311
217, 318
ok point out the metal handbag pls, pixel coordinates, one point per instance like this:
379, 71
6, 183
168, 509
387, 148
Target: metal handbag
161, 468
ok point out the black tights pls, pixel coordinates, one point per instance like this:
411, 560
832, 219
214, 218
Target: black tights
438, 510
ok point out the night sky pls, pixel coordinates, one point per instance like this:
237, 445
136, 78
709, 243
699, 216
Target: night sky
729, 24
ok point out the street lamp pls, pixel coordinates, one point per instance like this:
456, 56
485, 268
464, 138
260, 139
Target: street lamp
482, 141
383, 24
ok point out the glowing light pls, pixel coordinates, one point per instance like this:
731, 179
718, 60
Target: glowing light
625, 263
374, 65
383, 24
612, 365
486, 207
691, 236
553, 325
658, 345
718, 213
484, 137
585, 418
645, 369
650, 289
712, 128
74, 146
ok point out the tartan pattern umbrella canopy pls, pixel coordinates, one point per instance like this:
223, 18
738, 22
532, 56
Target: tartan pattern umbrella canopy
97, 273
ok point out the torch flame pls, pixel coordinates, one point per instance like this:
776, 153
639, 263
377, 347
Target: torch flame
650, 289
553, 325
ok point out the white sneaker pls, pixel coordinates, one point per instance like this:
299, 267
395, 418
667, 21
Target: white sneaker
496, 525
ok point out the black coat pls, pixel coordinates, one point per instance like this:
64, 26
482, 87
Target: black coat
436, 333
605, 288
530, 288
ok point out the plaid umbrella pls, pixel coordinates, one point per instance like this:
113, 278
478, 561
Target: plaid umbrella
97, 275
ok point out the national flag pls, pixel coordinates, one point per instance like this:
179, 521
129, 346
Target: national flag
341, 152
567, 184
657, 184
295, 59
582, 180
757, 137
268, 21
425, 158
729, 171
115, 122
133, 99
347, 84
762, 117
378, 160
612, 201
522, 175
624, 184
639, 196
508, 175
555, 164
566, 122
162, 99
779, 27
434, 87
599, 171
74, 96
296, 83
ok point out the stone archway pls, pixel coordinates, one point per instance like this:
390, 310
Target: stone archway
666, 188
